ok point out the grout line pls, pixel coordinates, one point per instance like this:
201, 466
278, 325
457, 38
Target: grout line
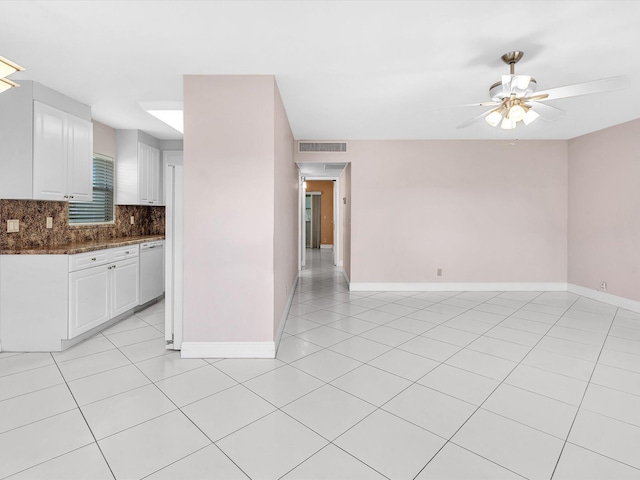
85, 419
584, 394
490, 394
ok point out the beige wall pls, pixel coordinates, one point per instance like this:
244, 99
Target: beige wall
483, 211
325, 187
240, 253
285, 242
604, 210
104, 139
229, 208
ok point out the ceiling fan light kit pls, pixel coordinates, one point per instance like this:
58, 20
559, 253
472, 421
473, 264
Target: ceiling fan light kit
514, 98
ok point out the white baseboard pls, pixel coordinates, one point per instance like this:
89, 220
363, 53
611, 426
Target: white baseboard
605, 297
228, 350
285, 313
458, 287
326, 246
240, 349
346, 277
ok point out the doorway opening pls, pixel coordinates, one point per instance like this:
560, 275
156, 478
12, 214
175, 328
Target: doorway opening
333, 182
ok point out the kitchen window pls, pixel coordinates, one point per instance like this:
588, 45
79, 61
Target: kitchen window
100, 210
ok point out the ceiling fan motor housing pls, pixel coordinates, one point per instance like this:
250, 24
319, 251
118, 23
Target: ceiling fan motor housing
497, 92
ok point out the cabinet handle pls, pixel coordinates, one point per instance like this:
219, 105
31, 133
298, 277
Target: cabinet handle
66, 196
127, 252
70, 196
93, 259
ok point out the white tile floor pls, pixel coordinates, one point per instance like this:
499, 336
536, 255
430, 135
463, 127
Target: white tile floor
398, 385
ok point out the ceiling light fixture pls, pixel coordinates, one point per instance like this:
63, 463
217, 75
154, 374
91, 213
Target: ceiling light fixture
494, 117
510, 112
6, 84
7, 67
517, 113
167, 112
508, 124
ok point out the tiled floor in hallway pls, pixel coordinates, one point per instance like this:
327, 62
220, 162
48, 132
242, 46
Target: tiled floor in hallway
398, 385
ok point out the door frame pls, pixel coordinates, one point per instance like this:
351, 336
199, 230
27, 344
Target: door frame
337, 227
174, 229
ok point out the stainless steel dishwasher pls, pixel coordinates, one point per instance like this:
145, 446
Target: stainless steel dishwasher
151, 270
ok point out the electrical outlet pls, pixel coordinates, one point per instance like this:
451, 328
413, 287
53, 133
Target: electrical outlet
603, 286
132, 220
13, 226
49, 222
439, 272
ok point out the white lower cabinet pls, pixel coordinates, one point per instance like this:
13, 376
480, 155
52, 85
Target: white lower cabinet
125, 293
89, 304
50, 302
102, 292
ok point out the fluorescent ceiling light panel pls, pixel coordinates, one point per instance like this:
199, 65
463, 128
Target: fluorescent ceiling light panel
7, 67
6, 84
173, 118
167, 112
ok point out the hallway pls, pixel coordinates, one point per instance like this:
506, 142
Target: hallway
366, 385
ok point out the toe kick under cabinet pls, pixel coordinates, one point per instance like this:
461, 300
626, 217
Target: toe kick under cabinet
50, 302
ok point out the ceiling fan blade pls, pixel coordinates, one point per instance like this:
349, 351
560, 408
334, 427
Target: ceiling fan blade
474, 119
479, 104
547, 112
586, 88
535, 98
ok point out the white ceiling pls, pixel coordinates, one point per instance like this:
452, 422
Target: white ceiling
346, 69
313, 170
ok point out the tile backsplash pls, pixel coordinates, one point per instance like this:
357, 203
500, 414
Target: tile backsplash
32, 215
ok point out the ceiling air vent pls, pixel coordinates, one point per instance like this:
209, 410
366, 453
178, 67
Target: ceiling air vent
336, 147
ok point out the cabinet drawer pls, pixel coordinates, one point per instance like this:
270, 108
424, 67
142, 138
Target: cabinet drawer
122, 253
81, 261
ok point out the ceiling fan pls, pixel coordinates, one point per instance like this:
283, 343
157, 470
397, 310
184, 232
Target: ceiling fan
514, 98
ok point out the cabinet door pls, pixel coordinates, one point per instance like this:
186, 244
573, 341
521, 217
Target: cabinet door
144, 156
49, 153
155, 189
79, 159
124, 285
89, 304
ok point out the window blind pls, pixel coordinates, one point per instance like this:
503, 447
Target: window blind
100, 210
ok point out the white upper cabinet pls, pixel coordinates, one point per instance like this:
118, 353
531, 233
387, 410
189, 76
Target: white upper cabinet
46, 151
148, 175
62, 155
79, 170
138, 169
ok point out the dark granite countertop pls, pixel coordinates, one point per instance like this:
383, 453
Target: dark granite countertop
73, 248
